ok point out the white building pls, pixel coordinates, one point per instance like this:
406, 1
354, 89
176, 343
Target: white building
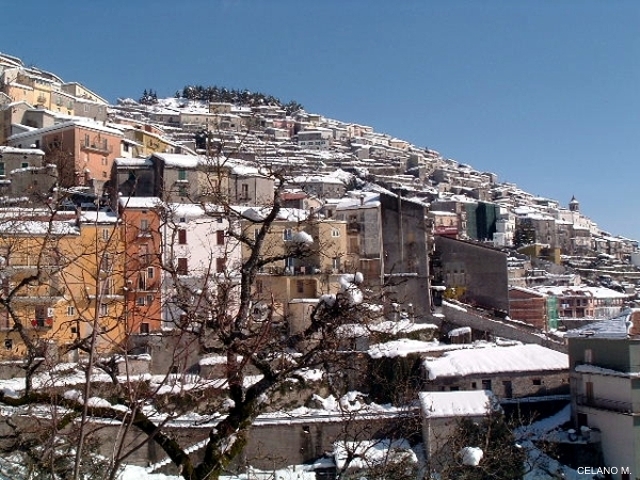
196, 239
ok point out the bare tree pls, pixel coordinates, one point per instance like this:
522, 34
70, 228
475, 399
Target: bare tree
219, 308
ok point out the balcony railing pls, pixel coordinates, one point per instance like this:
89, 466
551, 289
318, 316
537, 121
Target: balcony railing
353, 227
96, 147
605, 404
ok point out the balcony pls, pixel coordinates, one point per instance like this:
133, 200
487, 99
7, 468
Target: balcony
604, 404
101, 148
353, 227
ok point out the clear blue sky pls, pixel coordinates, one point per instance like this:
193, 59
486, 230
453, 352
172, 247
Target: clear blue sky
544, 93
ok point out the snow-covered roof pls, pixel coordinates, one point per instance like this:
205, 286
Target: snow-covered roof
516, 358
617, 327
359, 200
79, 122
369, 453
595, 292
140, 202
258, 214
98, 217
400, 348
34, 227
190, 211
457, 404
21, 151
178, 160
133, 162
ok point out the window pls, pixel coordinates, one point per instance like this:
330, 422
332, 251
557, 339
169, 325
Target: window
44, 316
245, 192
104, 309
182, 236
144, 327
140, 301
508, 388
2, 169
335, 232
8, 344
87, 140
105, 234
149, 299
86, 108
150, 272
24, 165
71, 311
486, 384
143, 254
335, 263
142, 281
104, 160
106, 263
259, 286
537, 381
588, 387
182, 175
182, 267
144, 226
474, 385
220, 265
287, 234
183, 191
588, 356
219, 237
300, 286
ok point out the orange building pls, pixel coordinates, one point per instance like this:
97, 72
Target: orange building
140, 217
82, 150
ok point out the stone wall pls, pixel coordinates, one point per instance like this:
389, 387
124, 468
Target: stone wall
487, 327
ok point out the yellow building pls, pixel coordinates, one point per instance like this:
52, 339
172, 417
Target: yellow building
61, 281
151, 142
33, 293
94, 277
311, 256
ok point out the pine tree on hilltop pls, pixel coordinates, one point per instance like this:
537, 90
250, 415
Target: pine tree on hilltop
237, 97
149, 97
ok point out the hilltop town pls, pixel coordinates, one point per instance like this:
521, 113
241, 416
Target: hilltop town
205, 288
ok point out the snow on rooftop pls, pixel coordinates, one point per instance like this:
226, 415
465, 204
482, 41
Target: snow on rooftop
133, 162
456, 332
33, 227
178, 160
594, 369
617, 327
517, 358
400, 348
98, 217
76, 122
457, 404
21, 151
370, 453
140, 202
595, 292
258, 214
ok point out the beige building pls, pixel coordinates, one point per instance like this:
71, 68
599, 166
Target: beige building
308, 264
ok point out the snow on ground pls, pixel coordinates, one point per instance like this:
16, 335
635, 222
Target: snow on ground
538, 464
